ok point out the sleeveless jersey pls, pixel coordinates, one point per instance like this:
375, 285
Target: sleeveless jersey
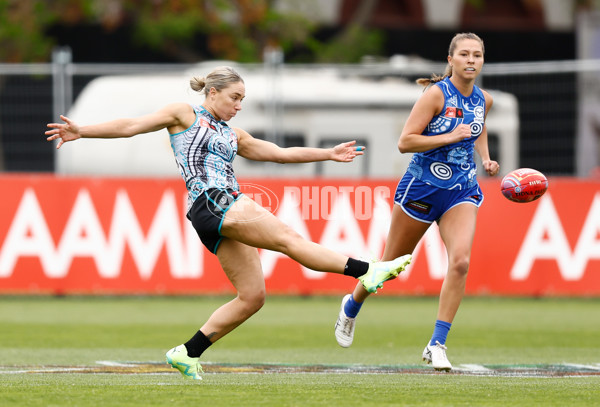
451, 166
204, 154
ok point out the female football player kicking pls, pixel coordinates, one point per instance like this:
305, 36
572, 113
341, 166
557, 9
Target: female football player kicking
229, 223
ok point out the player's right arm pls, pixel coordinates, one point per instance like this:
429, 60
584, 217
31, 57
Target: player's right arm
174, 117
430, 104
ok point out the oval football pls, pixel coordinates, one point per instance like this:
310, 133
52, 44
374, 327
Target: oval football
524, 185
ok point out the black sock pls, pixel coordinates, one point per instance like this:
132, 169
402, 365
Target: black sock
197, 345
356, 268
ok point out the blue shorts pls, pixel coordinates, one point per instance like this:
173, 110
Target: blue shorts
427, 203
208, 212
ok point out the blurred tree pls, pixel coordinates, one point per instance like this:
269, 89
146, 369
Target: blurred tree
233, 29
22, 26
354, 41
237, 30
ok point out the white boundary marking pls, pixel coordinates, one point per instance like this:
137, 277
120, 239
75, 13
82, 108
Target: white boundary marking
113, 363
578, 366
542, 370
473, 368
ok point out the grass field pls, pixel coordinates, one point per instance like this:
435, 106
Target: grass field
110, 352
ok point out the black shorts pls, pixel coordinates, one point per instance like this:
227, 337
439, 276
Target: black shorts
208, 212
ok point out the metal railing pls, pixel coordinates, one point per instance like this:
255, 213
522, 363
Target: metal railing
549, 94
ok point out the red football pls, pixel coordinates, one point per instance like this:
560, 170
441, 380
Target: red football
524, 185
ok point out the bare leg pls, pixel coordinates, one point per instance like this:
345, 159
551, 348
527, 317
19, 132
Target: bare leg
241, 264
457, 229
403, 236
250, 223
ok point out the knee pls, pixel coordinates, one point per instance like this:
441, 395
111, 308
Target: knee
460, 265
258, 299
253, 301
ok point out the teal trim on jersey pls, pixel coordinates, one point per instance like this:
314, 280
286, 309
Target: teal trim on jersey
213, 117
193, 124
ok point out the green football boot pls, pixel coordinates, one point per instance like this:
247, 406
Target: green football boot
380, 272
189, 367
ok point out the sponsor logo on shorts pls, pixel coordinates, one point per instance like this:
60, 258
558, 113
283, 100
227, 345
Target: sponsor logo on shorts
421, 207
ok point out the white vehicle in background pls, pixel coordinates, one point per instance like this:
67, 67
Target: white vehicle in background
292, 106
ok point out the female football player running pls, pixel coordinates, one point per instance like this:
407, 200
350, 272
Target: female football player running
445, 126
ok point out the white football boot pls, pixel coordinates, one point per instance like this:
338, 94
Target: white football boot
344, 326
436, 355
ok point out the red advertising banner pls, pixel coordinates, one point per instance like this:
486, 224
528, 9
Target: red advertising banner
130, 236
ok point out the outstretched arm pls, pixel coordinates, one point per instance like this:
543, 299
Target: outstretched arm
170, 116
261, 150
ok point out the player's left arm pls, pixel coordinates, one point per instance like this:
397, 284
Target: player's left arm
490, 166
260, 150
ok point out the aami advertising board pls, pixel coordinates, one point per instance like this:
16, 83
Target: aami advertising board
130, 236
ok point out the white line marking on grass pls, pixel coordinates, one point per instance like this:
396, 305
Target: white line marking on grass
473, 368
14, 371
160, 368
52, 369
589, 367
112, 363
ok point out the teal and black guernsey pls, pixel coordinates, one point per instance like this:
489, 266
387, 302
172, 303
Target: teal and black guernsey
204, 154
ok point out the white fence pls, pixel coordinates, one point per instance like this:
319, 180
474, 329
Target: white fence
535, 121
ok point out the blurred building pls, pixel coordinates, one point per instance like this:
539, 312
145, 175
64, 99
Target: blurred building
503, 15
514, 30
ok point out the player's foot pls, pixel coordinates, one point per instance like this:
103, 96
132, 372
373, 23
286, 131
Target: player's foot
189, 367
436, 355
344, 326
379, 272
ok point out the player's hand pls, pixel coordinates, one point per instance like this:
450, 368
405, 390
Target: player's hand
491, 167
461, 132
67, 131
345, 152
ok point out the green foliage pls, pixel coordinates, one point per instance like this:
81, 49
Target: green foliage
238, 30
154, 31
350, 47
22, 36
